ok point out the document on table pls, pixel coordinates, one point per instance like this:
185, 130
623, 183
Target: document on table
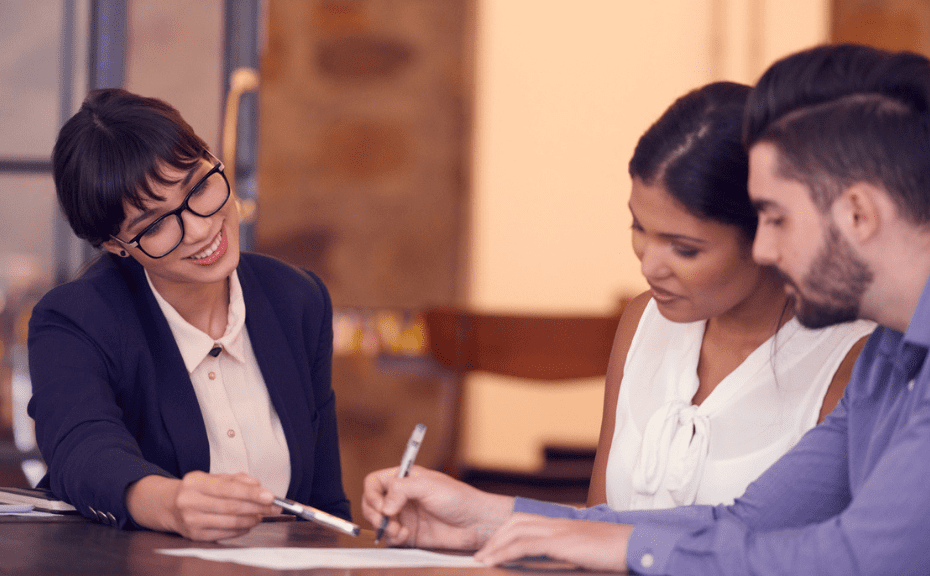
21, 510
40, 499
15, 508
303, 558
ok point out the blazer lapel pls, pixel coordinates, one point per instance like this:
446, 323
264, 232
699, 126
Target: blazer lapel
283, 377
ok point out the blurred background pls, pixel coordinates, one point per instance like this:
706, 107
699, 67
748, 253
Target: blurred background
416, 154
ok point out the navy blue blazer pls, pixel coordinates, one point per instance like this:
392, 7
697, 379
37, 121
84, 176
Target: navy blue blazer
113, 402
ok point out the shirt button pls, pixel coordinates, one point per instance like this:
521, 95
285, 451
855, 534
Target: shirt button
910, 385
212, 375
231, 433
647, 560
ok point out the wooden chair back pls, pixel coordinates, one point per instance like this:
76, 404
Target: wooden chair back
548, 350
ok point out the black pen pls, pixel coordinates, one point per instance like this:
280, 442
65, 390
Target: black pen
410, 454
318, 516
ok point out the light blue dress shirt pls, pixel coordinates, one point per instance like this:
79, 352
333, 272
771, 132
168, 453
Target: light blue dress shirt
852, 497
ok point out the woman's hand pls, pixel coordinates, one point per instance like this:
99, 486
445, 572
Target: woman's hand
583, 543
200, 506
431, 510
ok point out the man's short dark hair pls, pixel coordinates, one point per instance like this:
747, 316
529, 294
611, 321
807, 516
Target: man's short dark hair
111, 151
848, 113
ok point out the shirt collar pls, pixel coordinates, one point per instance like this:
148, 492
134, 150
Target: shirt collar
917, 332
193, 343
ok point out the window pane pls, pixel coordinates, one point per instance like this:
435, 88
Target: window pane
27, 213
31, 33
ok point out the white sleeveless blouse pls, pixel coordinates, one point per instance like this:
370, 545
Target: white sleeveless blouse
668, 452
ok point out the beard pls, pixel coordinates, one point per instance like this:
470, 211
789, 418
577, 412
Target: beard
834, 284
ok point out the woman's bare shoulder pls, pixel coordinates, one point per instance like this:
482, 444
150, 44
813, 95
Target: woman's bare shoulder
632, 314
626, 329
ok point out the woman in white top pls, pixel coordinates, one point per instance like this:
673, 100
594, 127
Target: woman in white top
710, 378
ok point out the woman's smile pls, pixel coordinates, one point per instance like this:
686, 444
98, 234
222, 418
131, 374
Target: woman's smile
213, 252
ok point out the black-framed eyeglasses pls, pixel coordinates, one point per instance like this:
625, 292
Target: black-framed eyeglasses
205, 199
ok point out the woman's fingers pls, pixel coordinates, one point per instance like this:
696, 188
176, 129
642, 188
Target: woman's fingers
207, 526
215, 506
227, 488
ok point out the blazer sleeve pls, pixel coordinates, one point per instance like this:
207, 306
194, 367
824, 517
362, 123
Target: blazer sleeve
74, 359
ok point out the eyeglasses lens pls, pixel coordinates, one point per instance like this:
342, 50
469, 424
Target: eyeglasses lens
205, 201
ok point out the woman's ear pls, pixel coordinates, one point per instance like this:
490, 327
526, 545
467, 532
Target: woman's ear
114, 247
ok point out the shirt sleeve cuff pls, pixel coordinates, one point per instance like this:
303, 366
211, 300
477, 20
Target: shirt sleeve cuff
650, 546
530, 506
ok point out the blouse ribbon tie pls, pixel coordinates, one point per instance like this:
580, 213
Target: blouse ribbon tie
671, 460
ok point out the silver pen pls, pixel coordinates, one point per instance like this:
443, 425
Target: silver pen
410, 454
318, 516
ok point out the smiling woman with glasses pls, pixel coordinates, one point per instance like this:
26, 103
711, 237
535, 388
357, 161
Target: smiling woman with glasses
205, 199
178, 384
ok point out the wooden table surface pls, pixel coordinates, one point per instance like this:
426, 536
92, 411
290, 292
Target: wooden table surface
84, 547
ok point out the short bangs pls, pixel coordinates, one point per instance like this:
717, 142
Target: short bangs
111, 152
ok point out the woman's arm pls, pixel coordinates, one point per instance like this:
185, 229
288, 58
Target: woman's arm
92, 456
95, 462
597, 492
200, 506
840, 379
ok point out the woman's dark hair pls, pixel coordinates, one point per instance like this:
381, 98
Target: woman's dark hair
695, 151
111, 151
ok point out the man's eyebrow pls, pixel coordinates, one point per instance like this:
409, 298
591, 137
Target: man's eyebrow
763, 204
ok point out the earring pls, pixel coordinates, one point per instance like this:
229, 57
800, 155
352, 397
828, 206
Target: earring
123, 253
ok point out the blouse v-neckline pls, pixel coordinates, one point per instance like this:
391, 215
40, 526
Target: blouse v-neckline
730, 384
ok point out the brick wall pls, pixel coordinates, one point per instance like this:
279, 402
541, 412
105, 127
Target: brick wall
364, 145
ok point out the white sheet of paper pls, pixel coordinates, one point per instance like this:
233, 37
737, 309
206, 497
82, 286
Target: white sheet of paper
23, 510
302, 558
15, 508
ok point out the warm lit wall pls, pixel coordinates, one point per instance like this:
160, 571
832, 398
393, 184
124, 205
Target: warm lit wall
174, 51
564, 89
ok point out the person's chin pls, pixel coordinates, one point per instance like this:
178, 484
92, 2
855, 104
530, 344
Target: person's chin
678, 310
227, 264
816, 315
217, 270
